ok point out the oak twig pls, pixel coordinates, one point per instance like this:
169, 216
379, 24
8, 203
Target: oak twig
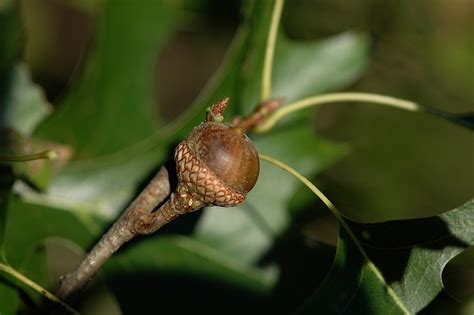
258, 115
124, 229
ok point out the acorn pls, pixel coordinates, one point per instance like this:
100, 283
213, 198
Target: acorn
216, 165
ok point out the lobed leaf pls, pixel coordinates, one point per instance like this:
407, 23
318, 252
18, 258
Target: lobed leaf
404, 274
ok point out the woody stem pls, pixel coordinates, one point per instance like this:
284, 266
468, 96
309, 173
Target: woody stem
123, 230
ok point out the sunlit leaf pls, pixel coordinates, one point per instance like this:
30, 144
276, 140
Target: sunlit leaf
103, 185
23, 103
305, 68
23, 106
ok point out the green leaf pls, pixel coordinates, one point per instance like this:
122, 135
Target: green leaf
36, 172
43, 250
183, 255
56, 256
103, 185
6, 183
353, 286
251, 68
8, 294
407, 258
462, 119
167, 266
9, 298
10, 36
24, 104
111, 106
304, 68
28, 224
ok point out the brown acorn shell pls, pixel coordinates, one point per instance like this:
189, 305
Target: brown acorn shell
228, 152
216, 165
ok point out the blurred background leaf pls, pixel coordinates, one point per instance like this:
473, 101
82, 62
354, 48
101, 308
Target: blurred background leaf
23, 103
23, 107
9, 299
10, 32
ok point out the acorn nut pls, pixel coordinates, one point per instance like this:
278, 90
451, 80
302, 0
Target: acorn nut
216, 165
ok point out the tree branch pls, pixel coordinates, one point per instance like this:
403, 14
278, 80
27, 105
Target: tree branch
123, 230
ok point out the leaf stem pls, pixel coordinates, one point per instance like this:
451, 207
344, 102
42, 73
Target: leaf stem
335, 98
12, 272
270, 51
316, 191
44, 155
